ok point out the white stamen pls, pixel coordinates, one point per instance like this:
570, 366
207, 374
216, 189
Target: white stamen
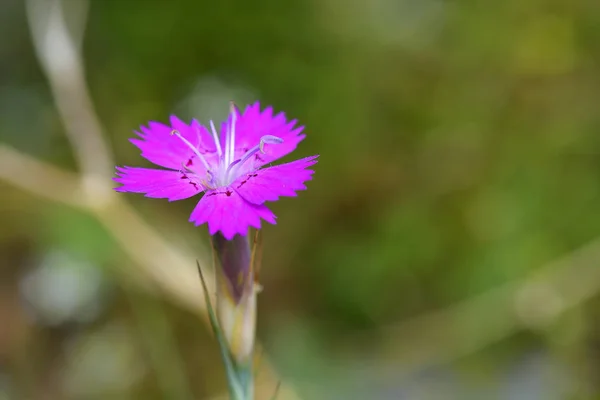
232, 141
267, 139
194, 149
216, 139
227, 145
230, 167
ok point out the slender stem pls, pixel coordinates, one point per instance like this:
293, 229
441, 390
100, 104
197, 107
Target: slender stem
232, 380
236, 306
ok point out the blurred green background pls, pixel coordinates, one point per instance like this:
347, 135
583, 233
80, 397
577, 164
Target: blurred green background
446, 248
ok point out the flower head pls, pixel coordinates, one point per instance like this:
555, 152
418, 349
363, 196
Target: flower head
229, 167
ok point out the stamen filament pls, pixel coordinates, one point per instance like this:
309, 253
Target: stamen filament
230, 167
232, 131
216, 139
227, 145
267, 139
191, 146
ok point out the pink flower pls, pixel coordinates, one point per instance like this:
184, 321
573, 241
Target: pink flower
228, 168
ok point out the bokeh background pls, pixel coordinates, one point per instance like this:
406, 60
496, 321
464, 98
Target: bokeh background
447, 247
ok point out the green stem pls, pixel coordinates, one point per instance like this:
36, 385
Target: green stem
239, 378
246, 380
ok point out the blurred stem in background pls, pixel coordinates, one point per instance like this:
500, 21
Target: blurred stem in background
159, 343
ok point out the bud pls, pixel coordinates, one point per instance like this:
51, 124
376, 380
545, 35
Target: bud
236, 296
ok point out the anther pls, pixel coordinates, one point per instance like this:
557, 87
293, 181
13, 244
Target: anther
191, 146
267, 139
270, 140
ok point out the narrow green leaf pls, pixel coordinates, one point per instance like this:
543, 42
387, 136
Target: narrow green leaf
230, 368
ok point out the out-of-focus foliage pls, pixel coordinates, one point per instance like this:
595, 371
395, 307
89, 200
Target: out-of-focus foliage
460, 151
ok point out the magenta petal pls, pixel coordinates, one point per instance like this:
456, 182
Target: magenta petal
269, 184
172, 185
225, 211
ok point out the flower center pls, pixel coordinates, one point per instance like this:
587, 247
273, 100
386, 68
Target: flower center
226, 169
